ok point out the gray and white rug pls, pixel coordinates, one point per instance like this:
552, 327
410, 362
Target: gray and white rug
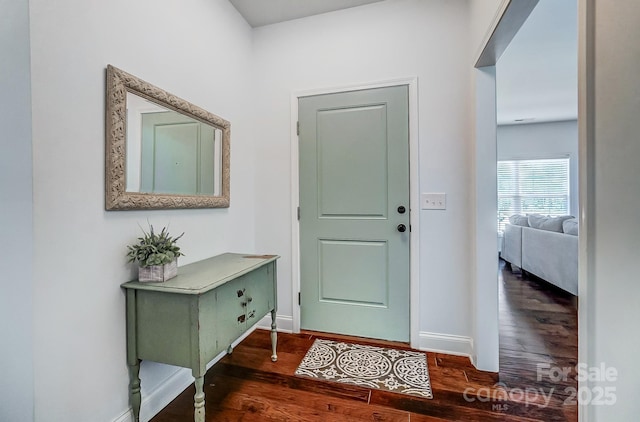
396, 370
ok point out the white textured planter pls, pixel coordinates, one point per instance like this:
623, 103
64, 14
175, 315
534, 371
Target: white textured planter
158, 273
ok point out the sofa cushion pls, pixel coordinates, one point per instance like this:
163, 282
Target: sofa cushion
519, 220
570, 226
544, 222
512, 245
551, 256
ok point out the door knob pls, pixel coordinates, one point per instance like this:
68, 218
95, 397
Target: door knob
402, 228
401, 209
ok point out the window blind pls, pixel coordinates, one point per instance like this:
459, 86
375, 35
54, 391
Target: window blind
532, 186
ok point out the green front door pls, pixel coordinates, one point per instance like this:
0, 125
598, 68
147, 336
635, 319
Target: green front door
177, 154
354, 213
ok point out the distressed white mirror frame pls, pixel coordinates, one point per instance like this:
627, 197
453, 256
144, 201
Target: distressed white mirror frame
116, 195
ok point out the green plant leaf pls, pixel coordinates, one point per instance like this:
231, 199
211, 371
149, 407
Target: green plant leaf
154, 248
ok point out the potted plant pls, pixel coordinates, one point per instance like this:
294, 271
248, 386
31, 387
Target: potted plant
157, 255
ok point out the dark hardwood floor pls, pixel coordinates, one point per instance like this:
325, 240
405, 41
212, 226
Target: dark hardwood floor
538, 326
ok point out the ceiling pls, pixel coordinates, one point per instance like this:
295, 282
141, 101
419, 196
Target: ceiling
266, 12
536, 76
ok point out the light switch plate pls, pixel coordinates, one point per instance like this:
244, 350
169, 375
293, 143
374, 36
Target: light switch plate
433, 201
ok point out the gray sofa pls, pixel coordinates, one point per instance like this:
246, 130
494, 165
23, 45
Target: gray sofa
544, 246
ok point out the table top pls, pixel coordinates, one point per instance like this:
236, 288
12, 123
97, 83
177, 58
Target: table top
201, 276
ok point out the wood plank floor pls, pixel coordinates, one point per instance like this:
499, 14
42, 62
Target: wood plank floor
538, 325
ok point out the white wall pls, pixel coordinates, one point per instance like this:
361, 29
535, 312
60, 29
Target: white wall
609, 318
543, 140
199, 50
16, 207
379, 42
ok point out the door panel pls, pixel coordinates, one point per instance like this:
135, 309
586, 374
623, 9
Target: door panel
177, 154
352, 158
347, 276
354, 174
175, 158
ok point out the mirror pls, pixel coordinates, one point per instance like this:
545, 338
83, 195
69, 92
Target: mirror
161, 151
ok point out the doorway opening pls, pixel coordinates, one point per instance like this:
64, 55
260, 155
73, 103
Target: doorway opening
537, 318
537, 189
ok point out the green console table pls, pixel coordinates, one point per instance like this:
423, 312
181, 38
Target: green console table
190, 319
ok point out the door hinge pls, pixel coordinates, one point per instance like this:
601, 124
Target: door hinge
298, 213
298, 128
299, 299
409, 228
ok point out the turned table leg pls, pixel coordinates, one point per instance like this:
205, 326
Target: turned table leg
132, 356
198, 400
134, 389
274, 337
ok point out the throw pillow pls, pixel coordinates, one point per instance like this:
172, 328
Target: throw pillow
536, 219
544, 222
570, 226
519, 220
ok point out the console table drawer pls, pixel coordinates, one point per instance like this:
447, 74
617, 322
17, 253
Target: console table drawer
168, 314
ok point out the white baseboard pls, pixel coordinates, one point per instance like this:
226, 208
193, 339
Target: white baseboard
284, 323
446, 343
156, 400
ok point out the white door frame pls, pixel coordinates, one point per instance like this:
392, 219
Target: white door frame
414, 198
506, 23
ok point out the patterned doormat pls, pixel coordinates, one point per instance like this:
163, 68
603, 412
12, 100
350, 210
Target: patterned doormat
395, 370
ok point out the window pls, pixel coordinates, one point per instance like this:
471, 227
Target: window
532, 186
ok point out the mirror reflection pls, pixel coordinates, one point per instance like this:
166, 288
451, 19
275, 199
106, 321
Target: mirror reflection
170, 153
161, 151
